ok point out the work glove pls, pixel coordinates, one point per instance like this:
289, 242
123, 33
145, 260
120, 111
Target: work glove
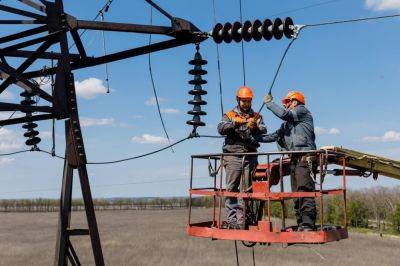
238, 121
268, 98
252, 123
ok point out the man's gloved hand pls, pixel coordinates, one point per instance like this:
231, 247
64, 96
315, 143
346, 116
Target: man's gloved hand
238, 121
268, 98
252, 123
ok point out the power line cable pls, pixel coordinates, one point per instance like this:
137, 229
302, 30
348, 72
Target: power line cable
319, 25
154, 86
304, 7
15, 152
351, 20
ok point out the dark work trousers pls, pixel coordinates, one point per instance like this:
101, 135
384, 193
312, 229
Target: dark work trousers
238, 178
301, 181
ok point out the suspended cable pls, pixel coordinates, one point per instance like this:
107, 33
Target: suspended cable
103, 34
218, 64
243, 54
154, 86
143, 155
279, 68
351, 20
319, 25
15, 152
304, 7
12, 114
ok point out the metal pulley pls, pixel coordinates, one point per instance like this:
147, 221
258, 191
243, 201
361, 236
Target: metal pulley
197, 91
31, 134
255, 30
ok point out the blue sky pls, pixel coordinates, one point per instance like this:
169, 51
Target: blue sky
349, 74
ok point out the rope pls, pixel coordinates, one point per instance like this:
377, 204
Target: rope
154, 86
105, 53
237, 255
218, 65
254, 257
243, 55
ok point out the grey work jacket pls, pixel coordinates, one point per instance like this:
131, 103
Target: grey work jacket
238, 138
296, 133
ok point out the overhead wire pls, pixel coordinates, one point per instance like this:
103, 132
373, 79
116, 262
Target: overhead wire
301, 27
304, 7
154, 86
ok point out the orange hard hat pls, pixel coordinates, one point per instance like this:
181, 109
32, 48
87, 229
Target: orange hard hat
294, 95
244, 92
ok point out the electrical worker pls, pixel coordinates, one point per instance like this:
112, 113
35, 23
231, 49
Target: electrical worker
237, 126
296, 134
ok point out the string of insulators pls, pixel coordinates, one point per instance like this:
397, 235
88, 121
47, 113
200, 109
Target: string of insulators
30, 133
197, 91
255, 30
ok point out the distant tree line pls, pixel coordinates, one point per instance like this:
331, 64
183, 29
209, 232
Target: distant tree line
377, 208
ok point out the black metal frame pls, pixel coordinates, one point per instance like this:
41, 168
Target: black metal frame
53, 20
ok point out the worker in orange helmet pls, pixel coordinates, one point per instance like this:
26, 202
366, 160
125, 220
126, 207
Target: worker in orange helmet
237, 126
296, 134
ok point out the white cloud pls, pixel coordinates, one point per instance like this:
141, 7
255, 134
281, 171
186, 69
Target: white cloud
330, 131
10, 140
5, 161
170, 111
150, 139
6, 95
382, 5
389, 136
152, 100
334, 131
90, 88
88, 122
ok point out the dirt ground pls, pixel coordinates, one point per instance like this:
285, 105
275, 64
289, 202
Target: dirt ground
159, 238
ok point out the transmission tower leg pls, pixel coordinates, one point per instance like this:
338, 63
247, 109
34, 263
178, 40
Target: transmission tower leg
64, 250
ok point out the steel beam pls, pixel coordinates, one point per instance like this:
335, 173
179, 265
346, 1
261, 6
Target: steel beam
23, 34
122, 27
22, 12
25, 119
20, 21
33, 87
78, 43
45, 55
28, 43
32, 58
94, 61
34, 5
24, 108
